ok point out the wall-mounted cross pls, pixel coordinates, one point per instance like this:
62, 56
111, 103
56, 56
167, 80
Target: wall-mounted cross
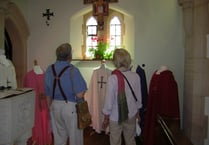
100, 9
92, 1
48, 14
101, 82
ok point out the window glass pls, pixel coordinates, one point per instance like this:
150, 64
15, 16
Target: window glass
102, 40
115, 32
91, 35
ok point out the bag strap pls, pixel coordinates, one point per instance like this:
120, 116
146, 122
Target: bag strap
130, 87
57, 80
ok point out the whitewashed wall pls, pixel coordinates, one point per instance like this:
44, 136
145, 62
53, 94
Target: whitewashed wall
154, 33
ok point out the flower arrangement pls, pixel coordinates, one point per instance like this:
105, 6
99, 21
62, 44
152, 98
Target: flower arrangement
101, 51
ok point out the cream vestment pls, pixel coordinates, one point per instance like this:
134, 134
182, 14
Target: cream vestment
95, 95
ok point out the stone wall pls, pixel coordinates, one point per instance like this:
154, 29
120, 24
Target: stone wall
196, 84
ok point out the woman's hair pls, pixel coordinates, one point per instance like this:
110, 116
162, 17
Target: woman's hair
64, 52
121, 58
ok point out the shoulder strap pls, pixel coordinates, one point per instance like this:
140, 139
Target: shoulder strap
57, 79
130, 87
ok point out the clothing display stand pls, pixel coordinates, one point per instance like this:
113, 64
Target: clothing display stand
41, 131
96, 94
162, 100
36, 68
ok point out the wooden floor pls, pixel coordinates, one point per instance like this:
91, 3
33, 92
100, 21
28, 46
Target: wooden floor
93, 138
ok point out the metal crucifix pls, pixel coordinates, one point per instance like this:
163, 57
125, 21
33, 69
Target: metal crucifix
48, 14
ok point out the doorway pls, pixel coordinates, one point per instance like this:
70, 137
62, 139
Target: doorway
16, 35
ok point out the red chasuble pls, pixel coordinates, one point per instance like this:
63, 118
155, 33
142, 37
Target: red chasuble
162, 100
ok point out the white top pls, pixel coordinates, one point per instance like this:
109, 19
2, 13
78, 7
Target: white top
7, 73
111, 103
4, 61
2, 51
37, 69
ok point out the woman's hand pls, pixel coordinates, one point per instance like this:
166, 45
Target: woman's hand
138, 116
105, 122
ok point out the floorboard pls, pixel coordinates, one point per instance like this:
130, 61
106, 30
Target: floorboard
93, 138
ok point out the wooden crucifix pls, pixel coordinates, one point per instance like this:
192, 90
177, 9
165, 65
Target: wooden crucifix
100, 9
92, 1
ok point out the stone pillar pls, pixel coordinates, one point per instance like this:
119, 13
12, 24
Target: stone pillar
187, 7
196, 86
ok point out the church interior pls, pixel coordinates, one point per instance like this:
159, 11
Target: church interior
157, 33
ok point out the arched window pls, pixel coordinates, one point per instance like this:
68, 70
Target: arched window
110, 35
91, 34
115, 33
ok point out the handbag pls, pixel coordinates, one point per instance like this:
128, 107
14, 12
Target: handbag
83, 114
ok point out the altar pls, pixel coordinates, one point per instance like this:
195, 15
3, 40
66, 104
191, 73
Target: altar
17, 115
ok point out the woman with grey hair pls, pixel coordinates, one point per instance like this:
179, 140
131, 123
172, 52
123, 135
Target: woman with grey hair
64, 86
121, 106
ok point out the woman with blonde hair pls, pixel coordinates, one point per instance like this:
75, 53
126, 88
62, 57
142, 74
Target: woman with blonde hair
122, 100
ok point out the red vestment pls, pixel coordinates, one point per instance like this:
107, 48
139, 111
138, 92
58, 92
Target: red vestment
162, 100
41, 132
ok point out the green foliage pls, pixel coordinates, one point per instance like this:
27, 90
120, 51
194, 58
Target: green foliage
101, 51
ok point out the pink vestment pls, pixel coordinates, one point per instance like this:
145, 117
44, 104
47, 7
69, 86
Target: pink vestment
41, 132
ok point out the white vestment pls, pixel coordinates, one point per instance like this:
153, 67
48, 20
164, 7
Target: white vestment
7, 73
95, 95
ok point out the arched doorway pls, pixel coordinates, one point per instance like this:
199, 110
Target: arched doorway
17, 31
